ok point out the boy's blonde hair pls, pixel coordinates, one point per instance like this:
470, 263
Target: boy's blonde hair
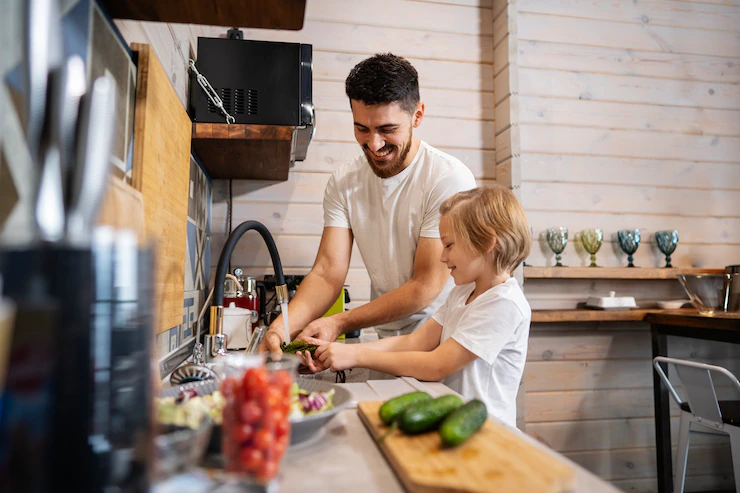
486, 216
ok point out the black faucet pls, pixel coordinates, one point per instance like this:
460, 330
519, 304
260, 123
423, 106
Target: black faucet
215, 340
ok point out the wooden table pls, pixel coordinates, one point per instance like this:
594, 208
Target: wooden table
721, 328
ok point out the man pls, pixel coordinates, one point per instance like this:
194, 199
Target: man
386, 199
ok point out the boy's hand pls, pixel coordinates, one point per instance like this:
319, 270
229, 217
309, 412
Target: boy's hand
313, 365
337, 356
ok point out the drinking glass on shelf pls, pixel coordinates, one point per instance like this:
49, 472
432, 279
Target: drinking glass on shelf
629, 240
667, 242
591, 239
557, 238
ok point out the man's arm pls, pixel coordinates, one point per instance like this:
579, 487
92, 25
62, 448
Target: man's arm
430, 276
319, 289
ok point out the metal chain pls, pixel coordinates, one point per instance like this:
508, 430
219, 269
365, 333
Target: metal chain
210, 92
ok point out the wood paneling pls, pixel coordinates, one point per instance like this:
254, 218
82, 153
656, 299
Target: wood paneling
640, 462
627, 88
623, 116
353, 38
675, 173
620, 61
461, 19
644, 12
611, 34
586, 315
576, 436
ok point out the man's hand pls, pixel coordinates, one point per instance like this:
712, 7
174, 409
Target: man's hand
337, 356
272, 341
321, 331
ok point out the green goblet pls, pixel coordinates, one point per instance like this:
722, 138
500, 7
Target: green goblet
592, 239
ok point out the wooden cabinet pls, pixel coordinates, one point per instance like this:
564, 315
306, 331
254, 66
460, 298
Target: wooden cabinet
261, 14
257, 152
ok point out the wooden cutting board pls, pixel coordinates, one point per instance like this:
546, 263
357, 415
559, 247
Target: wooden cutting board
494, 459
161, 172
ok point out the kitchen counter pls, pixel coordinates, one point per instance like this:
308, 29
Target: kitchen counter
343, 456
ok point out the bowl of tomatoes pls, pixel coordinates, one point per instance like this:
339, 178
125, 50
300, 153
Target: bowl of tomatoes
255, 429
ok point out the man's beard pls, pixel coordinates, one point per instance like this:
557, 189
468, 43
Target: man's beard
392, 168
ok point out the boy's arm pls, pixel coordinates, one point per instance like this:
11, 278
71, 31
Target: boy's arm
448, 358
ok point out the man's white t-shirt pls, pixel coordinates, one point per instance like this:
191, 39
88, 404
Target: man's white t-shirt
388, 215
494, 327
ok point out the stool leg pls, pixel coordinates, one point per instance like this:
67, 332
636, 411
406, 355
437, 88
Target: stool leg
734, 432
682, 452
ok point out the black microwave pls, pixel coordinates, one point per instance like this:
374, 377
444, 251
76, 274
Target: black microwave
259, 82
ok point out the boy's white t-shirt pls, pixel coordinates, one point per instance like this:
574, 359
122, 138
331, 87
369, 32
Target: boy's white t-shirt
388, 215
494, 327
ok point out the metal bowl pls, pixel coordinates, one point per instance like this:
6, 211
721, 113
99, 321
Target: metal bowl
304, 428
707, 292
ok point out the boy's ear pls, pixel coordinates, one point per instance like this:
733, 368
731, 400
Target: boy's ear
489, 250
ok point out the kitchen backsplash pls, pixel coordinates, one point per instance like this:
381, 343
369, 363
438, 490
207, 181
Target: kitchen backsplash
197, 261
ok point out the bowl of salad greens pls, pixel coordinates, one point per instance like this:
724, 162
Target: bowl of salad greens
314, 403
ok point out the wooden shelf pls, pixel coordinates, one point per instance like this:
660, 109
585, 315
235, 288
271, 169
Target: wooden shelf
531, 272
236, 151
586, 315
261, 14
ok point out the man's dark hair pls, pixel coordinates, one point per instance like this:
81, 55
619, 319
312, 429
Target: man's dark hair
384, 78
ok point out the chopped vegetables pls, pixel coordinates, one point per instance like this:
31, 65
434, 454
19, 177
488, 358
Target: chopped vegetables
305, 403
188, 408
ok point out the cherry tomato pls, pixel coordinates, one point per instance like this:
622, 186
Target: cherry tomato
230, 388
285, 404
273, 398
264, 439
252, 459
267, 471
255, 382
251, 412
283, 380
281, 444
282, 428
243, 433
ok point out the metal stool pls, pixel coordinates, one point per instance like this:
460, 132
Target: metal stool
702, 409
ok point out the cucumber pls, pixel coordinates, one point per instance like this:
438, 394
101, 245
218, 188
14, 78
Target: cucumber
393, 408
427, 415
463, 422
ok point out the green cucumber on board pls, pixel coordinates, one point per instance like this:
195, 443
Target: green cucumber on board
393, 408
427, 415
463, 422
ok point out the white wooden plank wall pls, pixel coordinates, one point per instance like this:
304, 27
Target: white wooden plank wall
450, 42
629, 114
589, 395
620, 115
